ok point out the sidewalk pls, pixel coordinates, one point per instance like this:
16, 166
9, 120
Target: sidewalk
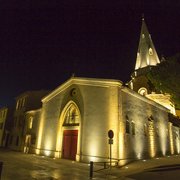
169, 165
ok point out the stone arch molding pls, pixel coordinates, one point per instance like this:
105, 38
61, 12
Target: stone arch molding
63, 124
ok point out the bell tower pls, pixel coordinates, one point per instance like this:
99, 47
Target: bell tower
146, 58
146, 55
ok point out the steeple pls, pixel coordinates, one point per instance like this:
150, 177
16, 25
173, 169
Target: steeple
146, 55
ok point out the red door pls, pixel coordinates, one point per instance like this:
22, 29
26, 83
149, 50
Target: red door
70, 144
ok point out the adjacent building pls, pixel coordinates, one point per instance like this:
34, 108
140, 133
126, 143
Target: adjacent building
24, 102
6, 123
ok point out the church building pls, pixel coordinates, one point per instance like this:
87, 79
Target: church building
75, 118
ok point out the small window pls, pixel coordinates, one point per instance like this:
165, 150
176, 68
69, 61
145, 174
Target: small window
150, 51
127, 125
133, 128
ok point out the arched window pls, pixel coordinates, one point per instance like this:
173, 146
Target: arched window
150, 51
133, 128
142, 91
71, 117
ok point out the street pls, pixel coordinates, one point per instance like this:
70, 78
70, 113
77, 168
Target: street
19, 166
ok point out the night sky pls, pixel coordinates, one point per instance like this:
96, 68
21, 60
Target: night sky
43, 42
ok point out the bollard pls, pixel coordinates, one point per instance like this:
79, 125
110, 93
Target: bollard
91, 169
1, 166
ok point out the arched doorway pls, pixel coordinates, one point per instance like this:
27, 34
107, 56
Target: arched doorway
69, 132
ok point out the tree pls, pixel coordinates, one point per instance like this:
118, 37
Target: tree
166, 78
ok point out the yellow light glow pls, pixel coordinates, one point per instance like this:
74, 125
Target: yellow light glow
151, 140
93, 147
37, 151
164, 100
163, 137
138, 142
48, 146
178, 145
138, 147
152, 151
121, 141
57, 155
147, 60
91, 158
113, 120
171, 138
41, 125
47, 152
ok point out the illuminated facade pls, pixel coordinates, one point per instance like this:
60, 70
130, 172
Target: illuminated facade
75, 119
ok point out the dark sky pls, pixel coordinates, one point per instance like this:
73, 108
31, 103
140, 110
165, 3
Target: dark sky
43, 42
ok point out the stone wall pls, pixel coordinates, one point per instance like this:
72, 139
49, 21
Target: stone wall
150, 122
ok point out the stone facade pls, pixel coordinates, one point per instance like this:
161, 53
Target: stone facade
96, 103
146, 135
6, 123
30, 133
24, 102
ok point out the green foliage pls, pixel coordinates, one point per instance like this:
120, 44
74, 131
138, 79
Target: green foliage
166, 78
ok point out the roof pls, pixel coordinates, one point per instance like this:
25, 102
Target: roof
83, 81
146, 55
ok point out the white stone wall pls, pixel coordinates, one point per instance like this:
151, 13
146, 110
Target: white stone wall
100, 115
98, 106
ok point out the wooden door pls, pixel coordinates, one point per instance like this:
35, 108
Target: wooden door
70, 144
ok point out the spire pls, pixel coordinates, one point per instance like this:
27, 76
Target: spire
146, 55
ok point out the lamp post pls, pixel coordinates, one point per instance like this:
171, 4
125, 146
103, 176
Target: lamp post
110, 135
